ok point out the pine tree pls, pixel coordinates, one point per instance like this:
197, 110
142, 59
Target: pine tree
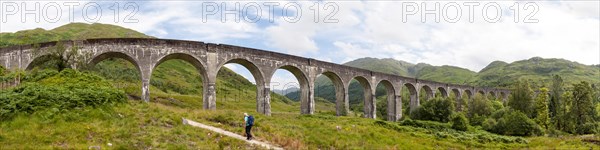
554, 106
542, 117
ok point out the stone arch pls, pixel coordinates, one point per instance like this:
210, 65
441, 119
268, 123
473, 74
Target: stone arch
114, 54
194, 61
199, 65
443, 92
428, 91
341, 101
369, 103
391, 99
304, 87
262, 88
482, 93
504, 97
457, 98
469, 94
38, 60
145, 78
414, 96
493, 94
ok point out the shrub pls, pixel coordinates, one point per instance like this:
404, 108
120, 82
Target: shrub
425, 124
489, 124
512, 123
460, 122
437, 109
588, 128
66, 90
480, 109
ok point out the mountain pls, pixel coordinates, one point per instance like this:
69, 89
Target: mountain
449, 74
537, 69
286, 91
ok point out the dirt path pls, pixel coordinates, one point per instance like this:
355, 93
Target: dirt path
230, 134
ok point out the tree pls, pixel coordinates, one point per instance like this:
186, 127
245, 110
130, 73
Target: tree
542, 117
521, 98
436, 109
510, 122
583, 107
61, 57
554, 106
460, 122
480, 108
568, 122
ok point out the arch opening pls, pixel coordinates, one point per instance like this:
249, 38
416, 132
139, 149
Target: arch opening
46, 62
121, 69
329, 94
385, 100
289, 79
361, 99
457, 97
175, 75
235, 89
426, 93
441, 91
410, 98
491, 95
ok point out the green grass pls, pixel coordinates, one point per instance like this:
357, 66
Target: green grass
157, 124
134, 125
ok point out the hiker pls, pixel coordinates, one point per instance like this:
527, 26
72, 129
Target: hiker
249, 121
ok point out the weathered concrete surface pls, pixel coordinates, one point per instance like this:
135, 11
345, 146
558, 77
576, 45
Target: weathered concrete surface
146, 54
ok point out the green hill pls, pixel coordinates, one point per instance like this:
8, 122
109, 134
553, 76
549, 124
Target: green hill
536, 69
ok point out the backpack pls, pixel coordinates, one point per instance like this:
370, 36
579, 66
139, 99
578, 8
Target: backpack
250, 120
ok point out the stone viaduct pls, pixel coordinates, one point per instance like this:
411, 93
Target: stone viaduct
208, 58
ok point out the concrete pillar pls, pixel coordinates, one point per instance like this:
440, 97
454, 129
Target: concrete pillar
370, 105
432, 95
209, 89
263, 99
307, 105
209, 97
146, 73
414, 101
341, 100
394, 109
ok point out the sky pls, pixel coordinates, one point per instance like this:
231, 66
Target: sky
466, 34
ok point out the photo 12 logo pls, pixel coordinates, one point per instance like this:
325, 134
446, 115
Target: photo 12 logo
126, 11
253, 12
53, 12
452, 12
